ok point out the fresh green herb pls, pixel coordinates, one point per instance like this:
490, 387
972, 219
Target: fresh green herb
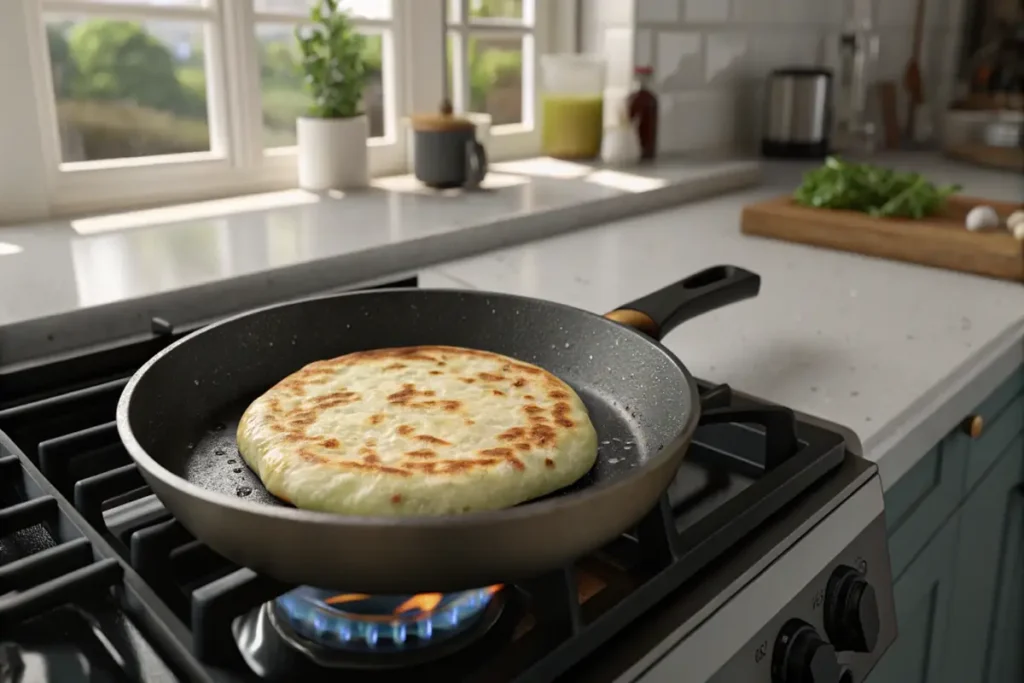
332, 59
872, 190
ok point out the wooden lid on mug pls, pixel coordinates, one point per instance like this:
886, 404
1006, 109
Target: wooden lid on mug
444, 120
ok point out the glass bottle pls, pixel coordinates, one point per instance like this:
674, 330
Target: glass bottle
643, 112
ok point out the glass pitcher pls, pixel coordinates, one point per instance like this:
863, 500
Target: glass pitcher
572, 100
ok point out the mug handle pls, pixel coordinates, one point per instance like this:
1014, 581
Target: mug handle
476, 159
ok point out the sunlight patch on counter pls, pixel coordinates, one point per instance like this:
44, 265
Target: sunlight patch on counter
199, 210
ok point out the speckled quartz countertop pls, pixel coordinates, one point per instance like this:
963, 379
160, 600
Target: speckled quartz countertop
70, 284
899, 353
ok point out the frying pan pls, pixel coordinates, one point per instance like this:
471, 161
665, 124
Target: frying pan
178, 416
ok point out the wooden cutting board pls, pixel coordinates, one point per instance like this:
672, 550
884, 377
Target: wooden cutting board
941, 241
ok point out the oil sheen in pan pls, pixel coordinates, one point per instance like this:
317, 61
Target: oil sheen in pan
214, 463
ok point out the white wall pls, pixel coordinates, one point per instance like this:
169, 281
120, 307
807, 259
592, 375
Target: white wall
710, 57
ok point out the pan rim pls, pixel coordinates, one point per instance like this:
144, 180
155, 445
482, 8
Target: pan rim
151, 467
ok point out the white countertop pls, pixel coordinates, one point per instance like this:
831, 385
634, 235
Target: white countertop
885, 348
69, 284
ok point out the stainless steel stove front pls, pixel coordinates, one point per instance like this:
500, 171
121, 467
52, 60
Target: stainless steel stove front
760, 616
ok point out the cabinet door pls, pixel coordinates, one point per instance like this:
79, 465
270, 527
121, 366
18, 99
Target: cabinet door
1006, 661
985, 549
922, 596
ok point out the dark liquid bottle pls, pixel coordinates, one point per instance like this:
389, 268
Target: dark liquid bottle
643, 112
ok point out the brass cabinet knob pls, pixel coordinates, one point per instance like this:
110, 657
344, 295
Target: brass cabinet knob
974, 425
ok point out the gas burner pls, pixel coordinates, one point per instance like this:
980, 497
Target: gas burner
359, 630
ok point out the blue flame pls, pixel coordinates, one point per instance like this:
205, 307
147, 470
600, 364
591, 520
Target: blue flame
374, 623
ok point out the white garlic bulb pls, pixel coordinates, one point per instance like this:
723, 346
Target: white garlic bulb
981, 217
1018, 231
1016, 218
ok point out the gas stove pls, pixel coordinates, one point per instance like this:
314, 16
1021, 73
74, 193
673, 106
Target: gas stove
762, 562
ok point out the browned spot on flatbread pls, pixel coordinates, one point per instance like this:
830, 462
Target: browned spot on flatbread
561, 414
519, 382
490, 377
523, 446
377, 418
528, 397
428, 438
397, 498
507, 454
330, 443
497, 392
436, 372
395, 366
421, 453
512, 434
451, 406
558, 395
549, 463
531, 409
371, 458
405, 430
466, 380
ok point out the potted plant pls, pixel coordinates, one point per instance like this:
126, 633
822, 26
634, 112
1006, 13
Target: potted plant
332, 137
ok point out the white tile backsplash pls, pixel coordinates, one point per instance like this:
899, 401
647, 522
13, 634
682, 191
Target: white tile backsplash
724, 56
680, 64
657, 11
710, 57
706, 11
643, 47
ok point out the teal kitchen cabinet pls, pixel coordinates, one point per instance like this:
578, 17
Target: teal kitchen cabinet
956, 540
986, 608
922, 595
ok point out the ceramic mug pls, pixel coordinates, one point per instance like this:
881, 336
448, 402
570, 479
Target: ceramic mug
449, 158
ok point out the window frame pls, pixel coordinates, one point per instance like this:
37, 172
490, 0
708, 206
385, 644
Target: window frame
537, 35
415, 72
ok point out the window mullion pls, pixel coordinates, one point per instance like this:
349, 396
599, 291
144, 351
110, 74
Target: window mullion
240, 92
421, 67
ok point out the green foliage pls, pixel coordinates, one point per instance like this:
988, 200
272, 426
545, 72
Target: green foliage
62, 63
110, 130
121, 61
333, 62
871, 189
489, 68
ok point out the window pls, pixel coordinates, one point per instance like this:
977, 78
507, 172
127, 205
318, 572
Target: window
155, 101
491, 50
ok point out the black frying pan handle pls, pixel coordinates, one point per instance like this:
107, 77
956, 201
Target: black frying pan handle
659, 312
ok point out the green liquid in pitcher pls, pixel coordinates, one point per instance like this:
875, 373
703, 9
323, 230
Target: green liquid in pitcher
572, 126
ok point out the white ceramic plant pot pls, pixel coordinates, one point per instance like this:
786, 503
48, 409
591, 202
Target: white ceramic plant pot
332, 153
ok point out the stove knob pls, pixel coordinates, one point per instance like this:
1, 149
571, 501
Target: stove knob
851, 611
801, 656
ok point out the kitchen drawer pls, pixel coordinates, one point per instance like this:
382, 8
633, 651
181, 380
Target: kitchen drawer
924, 498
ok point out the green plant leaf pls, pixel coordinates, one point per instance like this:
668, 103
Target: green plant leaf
332, 61
873, 190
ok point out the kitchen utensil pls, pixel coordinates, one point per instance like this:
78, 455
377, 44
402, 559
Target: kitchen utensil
858, 54
178, 414
941, 241
912, 74
447, 153
572, 102
798, 113
888, 99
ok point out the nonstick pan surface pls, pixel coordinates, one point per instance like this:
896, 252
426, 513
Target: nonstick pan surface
179, 413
